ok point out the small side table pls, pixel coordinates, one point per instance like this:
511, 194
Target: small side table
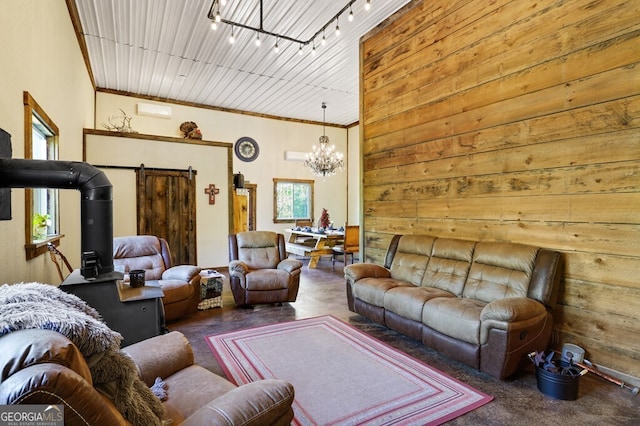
135, 313
142, 311
210, 290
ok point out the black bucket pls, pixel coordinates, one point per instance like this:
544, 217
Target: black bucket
558, 386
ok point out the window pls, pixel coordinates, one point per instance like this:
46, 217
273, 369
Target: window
292, 200
42, 215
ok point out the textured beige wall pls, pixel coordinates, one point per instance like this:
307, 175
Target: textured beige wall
40, 54
274, 137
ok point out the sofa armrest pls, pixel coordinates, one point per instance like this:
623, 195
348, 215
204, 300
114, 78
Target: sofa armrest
238, 268
511, 314
264, 402
512, 309
160, 356
290, 265
358, 271
181, 272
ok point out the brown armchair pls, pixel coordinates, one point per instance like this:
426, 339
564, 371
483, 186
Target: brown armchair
180, 284
44, 367
259, 269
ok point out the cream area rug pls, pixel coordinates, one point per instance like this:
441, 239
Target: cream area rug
342, 376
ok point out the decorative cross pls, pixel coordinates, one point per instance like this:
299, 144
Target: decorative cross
212, 191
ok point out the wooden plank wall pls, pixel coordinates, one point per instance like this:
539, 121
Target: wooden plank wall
515, 121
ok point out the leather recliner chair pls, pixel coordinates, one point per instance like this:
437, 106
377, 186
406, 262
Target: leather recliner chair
45, 367
259, 269
180, 284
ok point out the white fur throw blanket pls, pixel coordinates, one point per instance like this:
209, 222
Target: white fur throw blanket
42, 306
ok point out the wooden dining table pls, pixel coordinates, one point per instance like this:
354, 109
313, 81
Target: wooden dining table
315, 244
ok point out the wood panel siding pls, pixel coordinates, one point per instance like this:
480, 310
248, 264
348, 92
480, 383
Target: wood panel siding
515, 121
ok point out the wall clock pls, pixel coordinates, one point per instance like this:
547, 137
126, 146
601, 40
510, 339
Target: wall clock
246, 149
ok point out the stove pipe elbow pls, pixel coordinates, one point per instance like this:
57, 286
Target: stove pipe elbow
96, 209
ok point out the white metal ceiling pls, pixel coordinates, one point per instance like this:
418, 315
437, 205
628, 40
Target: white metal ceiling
166, 49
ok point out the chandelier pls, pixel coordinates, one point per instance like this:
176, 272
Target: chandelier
324, 160
215, 17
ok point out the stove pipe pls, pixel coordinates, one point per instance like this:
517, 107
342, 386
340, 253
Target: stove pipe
96, 209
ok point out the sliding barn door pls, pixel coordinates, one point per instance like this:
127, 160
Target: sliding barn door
166, 208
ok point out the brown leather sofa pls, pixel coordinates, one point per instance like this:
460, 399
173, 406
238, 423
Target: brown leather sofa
180, 284
486, 304
259, 269
44, 367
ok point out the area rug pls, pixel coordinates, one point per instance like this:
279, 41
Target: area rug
342, 376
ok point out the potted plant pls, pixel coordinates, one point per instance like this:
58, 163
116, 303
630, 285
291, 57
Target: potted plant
40, 223
556, 377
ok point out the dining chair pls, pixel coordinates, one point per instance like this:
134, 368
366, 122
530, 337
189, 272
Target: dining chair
350, 245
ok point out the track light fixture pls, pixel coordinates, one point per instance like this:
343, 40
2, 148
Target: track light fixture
214, 16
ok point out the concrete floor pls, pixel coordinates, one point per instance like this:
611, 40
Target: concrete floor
516, 401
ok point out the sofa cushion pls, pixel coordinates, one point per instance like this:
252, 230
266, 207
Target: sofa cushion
372, 290
455, 317
185, 399
500, 270
267, 280
411, 258
408, 302
449, 265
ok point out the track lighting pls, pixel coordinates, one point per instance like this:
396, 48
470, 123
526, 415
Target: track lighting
214, 16
367, 5
276, 48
